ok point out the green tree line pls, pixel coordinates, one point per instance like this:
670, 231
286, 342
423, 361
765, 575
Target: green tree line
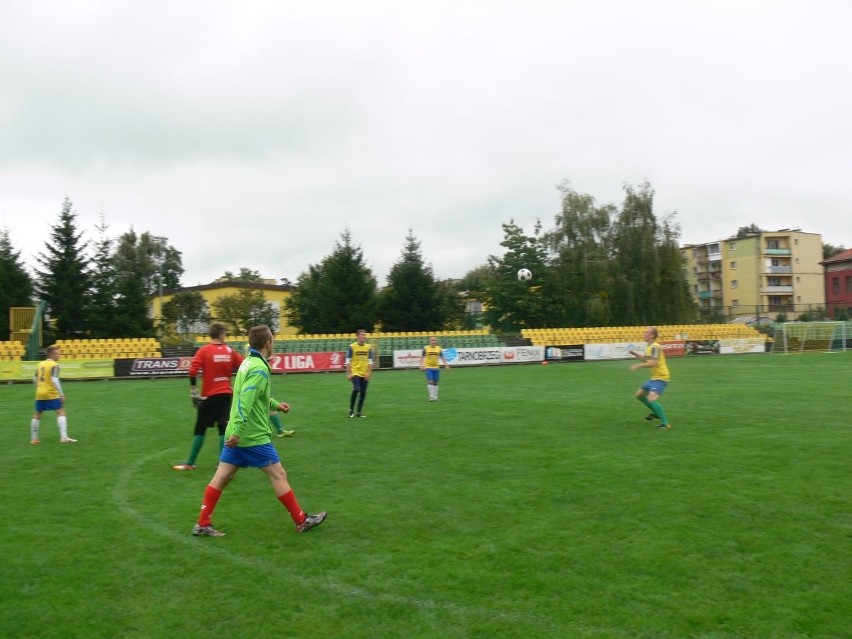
598, 265
96, 289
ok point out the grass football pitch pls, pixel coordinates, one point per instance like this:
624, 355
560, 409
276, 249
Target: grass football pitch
530, 501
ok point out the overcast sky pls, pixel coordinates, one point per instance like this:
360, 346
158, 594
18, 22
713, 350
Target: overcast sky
254, 133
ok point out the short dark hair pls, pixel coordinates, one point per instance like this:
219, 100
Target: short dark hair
259, 335
217, 330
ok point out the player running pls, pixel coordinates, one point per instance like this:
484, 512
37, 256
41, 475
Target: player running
650, 392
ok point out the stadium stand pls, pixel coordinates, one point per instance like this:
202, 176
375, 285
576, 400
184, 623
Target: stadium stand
385, 342
111, 348
12, 350
560, 336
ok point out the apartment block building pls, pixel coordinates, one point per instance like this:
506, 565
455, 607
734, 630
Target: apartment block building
838, 284
771, 272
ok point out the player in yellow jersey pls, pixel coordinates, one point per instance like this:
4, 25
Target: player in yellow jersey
49, 396
430, 360
359, 368
650, 392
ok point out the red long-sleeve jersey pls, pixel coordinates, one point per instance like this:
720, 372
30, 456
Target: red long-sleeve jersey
216, 362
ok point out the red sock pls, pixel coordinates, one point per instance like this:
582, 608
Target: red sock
211, 498
290, 503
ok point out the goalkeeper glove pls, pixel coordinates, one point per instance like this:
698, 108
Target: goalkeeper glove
195, 398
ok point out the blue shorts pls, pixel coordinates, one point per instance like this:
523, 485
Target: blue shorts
42, 405
655, 386
250, 456
432, 375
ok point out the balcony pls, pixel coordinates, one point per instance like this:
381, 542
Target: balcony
705, 276
778, 269
769, 290
777, 252
705, 295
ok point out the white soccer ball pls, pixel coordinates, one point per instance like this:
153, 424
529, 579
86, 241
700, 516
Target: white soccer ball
524, 274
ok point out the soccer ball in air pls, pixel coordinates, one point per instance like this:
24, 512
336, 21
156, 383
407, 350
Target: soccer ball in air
524, 274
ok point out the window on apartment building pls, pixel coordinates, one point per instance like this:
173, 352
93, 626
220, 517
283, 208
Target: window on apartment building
775, 262
848, 284
796, 241
733, 265
775, 300
797, 260
772, 244
798, 279
735, 303
835, 285
734, 283
732, 246
774, 281
798, 298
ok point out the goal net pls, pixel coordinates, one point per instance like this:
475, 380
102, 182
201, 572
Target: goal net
799, 337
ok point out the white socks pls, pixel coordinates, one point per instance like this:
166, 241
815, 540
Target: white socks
62, 422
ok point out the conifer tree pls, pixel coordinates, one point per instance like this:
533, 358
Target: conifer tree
413, 300
64, 280
336, 296
16, 285
103, 295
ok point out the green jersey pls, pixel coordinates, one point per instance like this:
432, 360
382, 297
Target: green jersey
252, 402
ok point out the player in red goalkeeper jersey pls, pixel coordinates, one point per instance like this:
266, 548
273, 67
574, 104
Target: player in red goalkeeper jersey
217, 363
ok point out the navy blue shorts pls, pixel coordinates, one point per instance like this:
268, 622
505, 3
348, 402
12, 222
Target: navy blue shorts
250, 456
42, 405
432, 375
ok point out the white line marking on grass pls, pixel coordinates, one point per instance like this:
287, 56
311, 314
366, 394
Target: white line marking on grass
120, 490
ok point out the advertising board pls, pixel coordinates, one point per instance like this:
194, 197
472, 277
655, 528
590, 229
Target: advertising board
474, 356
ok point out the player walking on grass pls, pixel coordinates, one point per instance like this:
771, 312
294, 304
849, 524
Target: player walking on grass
429, 362
49, 396
359, 367
216, 362
273, 415
249, 440
650, 392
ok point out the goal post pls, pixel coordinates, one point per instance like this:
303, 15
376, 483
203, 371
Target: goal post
801, 337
